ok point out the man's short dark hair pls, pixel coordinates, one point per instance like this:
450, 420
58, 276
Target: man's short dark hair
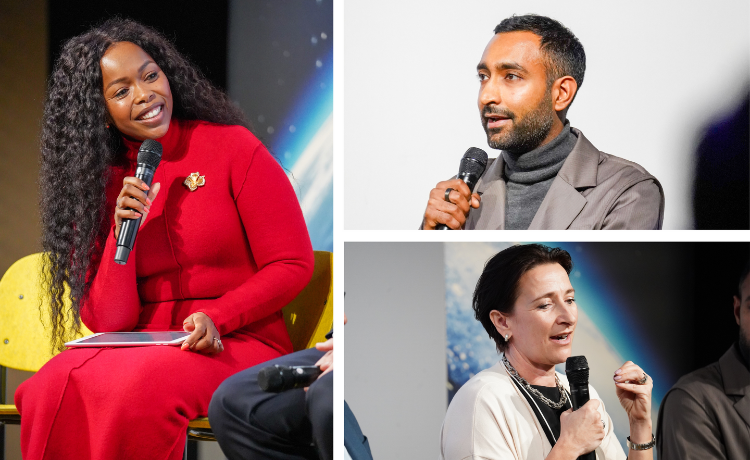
497, 287
564, 53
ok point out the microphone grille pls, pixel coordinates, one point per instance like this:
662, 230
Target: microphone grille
269, 378
474, 161
577, 369
150, 153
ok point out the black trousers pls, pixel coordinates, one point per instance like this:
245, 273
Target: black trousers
250, 423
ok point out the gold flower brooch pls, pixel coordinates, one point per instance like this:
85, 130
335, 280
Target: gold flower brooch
194, 181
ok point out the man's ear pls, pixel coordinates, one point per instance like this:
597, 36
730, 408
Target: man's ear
563, 92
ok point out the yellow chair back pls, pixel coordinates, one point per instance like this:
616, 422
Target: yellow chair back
24, 332
309, 316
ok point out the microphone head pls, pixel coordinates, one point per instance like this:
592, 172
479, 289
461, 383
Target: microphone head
474, 162
150, 153
577, 369
269, 379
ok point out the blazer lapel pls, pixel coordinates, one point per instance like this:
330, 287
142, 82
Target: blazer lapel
491, 187
736, 377
560, 207
563, 201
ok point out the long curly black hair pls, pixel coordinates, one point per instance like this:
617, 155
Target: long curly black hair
78, 150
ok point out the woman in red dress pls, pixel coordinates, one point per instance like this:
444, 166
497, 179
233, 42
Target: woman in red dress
219, 260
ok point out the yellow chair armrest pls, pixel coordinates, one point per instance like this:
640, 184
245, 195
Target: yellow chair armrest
8, 409
9, 414
199, 423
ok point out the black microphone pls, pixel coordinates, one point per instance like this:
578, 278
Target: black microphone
471, 169
275, 379
577, 370
149, 156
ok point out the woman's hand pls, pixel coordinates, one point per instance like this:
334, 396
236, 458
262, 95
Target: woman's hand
581, 431
204, 337
135, 194
635, 398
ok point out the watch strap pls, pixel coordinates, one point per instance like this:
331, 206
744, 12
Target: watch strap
644, 446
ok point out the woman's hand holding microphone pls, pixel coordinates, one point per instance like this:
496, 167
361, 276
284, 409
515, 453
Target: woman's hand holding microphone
582, 431
134, 201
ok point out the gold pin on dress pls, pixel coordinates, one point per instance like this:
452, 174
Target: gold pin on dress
194, 181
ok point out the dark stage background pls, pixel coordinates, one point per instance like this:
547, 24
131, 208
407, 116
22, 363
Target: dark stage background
197, 28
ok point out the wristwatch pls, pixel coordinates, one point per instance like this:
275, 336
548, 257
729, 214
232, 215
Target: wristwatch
645, 446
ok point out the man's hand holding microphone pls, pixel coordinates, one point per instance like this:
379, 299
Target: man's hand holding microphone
450, 201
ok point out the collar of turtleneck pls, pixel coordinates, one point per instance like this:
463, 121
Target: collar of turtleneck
543, 162
171, 142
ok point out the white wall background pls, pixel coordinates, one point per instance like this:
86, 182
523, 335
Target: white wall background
395, 346
657, 73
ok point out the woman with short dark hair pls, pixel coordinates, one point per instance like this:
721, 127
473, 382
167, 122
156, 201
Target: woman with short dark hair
222, 248
520, 408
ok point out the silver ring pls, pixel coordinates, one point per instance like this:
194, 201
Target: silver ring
448, 194
643, 380
604, 425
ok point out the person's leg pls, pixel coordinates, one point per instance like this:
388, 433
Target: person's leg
320, 412
251, 423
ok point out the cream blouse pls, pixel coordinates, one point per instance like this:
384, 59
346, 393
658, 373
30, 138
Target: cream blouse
490, 419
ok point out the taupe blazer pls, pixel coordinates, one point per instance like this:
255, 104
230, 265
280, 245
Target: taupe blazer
706, 415
592, 191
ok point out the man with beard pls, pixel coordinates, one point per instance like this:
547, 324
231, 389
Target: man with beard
548, 176
706, 414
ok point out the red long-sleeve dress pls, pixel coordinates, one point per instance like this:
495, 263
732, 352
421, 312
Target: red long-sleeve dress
236, 249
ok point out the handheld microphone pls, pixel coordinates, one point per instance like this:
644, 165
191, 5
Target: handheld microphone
149, 156
275, 379
471, 169
577, 370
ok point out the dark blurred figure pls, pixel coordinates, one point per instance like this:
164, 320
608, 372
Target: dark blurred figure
706, 414
295, 424
721, 199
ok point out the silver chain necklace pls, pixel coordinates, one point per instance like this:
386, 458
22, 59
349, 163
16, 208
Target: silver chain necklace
555, 405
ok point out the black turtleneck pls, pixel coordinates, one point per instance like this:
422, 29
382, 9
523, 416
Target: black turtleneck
529, 176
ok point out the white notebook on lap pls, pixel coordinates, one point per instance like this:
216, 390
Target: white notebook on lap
130, 339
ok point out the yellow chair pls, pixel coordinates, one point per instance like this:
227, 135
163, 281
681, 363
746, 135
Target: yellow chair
25, 338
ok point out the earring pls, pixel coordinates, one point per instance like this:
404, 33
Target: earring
507, 336
107, 126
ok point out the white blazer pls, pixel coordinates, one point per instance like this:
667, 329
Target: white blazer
490, 419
